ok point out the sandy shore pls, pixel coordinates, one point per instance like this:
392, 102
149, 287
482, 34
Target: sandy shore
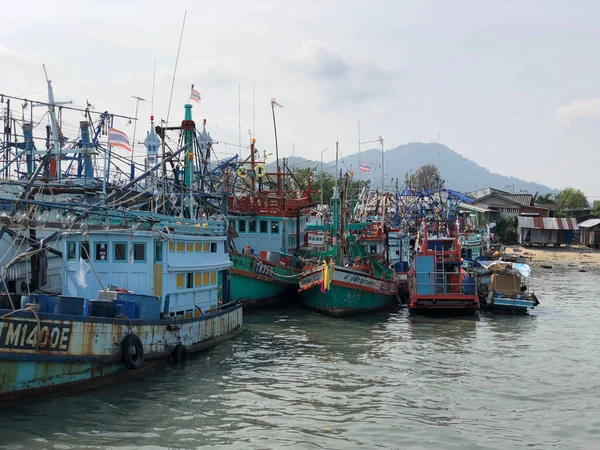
578, 255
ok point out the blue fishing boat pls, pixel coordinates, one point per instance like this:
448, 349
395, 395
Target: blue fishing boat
145, 269
129, 298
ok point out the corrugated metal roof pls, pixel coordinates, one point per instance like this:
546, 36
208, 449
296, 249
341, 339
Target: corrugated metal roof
547, 223
523, 199
589, 223
467, 207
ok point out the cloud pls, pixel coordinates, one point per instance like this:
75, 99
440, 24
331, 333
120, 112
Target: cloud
343, 79
20, 58
578, 111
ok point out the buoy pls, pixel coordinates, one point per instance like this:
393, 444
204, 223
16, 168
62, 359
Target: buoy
132, 351
260, 170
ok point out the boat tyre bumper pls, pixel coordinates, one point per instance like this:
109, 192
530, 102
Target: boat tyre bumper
133, 351
180, 355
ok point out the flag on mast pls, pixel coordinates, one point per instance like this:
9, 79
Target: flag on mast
195, 95
117, 138
364, 167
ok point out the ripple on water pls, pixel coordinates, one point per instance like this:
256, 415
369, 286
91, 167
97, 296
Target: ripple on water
297, 379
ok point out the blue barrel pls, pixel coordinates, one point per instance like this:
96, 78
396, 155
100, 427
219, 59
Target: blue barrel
47, 302
101, 308
70, 305
469, 286
123, 307
147, 307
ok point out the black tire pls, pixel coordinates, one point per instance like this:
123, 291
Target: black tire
133, 351
180, 354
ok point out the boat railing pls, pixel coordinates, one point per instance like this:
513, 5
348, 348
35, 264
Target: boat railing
223, 307
268, 204
444, 283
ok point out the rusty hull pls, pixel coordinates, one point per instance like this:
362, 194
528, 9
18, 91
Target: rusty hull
77, 351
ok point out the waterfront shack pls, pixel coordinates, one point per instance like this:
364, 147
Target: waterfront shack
589, 233
546, 230
505, 204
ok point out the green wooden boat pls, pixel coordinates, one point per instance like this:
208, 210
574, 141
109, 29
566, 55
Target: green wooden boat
335, 288
258, 282
350, 292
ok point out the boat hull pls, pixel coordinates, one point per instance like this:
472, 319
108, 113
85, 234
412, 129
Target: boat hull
444, 304
351, 292
256, 283
509, 305
75, 352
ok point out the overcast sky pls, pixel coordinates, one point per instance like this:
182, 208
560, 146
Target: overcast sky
512, 85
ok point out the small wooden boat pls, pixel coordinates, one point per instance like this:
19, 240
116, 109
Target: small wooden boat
505, 291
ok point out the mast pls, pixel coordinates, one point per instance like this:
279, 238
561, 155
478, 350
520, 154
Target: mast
137, 105
359, 160
55, 137
164, 137
252, 162
188, 127
273, 103
335, 209
382, 166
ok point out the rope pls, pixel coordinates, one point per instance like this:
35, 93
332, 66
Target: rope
286, 276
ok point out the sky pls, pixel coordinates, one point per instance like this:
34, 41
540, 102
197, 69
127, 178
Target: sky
511, 85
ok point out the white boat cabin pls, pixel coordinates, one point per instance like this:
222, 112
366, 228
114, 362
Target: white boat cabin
181, 269
269, 233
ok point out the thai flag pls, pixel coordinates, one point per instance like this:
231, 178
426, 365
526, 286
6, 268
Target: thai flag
117, 138
195, 95
364, 167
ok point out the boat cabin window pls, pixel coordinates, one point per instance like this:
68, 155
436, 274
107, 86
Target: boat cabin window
274, 227
158, 245
85, 250
120, 251
189, 280
139, 252
373, 249
242, 228
101, 251
264, 226
71, 251
213, 247
252, 226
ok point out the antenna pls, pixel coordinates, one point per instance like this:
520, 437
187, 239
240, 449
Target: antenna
163, 155
137, 105
175, 69
153, 85
240, 115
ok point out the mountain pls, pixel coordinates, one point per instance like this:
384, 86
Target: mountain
460, 173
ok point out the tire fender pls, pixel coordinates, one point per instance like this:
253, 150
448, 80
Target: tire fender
132, 351
180, 355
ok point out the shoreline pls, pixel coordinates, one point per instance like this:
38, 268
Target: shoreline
576, 256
